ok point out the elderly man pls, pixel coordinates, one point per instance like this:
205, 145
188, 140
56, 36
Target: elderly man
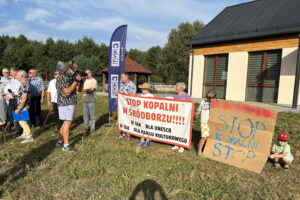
23, 101
4, 79
37, 92
10, 96
89, 102
126, 87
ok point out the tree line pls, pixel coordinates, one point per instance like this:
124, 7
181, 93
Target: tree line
169, 64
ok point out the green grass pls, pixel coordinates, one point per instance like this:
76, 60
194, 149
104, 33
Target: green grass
108, 168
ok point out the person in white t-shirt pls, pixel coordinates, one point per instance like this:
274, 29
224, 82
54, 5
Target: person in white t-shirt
146, 92
52, 100
89, 102
204, 110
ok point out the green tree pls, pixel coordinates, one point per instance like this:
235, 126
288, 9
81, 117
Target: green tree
87, 47
137, 55
175, 55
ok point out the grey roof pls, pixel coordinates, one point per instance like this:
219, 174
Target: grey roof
253, 19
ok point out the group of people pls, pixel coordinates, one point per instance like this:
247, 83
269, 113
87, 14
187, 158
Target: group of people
280, 153
25, 92
128, 87
62, 99
21, 91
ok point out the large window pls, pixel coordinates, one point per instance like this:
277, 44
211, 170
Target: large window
263, 76
215, 74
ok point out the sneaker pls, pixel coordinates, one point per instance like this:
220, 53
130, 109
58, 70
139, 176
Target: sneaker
286, 167
27, 140
181, 149
276, 165
69, 148
21, 137
200, 153
146, 144
141, 143
59, 144
84, 130
175, 147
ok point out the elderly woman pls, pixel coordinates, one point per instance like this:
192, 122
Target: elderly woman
180, 87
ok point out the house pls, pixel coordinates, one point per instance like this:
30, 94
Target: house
249, 52
134, 70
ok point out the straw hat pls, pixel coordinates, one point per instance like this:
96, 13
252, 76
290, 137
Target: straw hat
145, 86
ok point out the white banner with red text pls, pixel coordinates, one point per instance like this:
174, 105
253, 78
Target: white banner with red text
159, 119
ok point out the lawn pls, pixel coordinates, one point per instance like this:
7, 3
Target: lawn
109, 168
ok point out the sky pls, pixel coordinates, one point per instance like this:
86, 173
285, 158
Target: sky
149, 21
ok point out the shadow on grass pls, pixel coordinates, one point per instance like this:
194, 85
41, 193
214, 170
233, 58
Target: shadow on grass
196, 136
150, 190
30, 161
102, 120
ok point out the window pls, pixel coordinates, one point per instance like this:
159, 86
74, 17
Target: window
263, 76
215, 74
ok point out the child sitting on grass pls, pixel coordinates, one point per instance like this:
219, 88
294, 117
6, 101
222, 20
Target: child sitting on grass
146, 88
204, 110
281, 151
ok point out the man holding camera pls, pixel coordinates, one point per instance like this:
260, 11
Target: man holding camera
66, 84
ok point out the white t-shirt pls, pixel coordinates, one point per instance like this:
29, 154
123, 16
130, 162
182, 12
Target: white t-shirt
204, 109
52, 90
147, 95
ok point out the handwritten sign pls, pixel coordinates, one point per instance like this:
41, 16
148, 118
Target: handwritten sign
240, 134
164, 120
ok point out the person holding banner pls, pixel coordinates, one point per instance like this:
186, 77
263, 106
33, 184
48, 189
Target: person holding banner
23, 102
281, 151
181, 95
204, 110
146, 88
126, 87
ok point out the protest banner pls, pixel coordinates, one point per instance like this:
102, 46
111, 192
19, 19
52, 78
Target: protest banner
240, 134
164, 120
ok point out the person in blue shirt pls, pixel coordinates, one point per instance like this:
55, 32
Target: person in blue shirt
4, 78
37, 93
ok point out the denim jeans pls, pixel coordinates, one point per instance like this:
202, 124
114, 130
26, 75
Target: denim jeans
89, 114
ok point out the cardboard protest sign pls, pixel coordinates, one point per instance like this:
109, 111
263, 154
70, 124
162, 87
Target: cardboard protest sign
240, 134
164, 120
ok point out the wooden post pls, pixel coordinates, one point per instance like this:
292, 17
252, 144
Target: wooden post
135, 78
148, 77
103, 82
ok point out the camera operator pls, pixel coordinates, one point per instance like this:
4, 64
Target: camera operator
66, 84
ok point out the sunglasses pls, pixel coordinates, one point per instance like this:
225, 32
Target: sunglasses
56, 74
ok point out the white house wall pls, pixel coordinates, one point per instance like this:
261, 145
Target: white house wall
197, 78
237, 76
287, 76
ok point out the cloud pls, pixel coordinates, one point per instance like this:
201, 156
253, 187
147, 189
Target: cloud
80, 23
16, 28
37, 14
149, 22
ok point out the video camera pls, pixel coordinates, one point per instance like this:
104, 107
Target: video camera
70, 70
